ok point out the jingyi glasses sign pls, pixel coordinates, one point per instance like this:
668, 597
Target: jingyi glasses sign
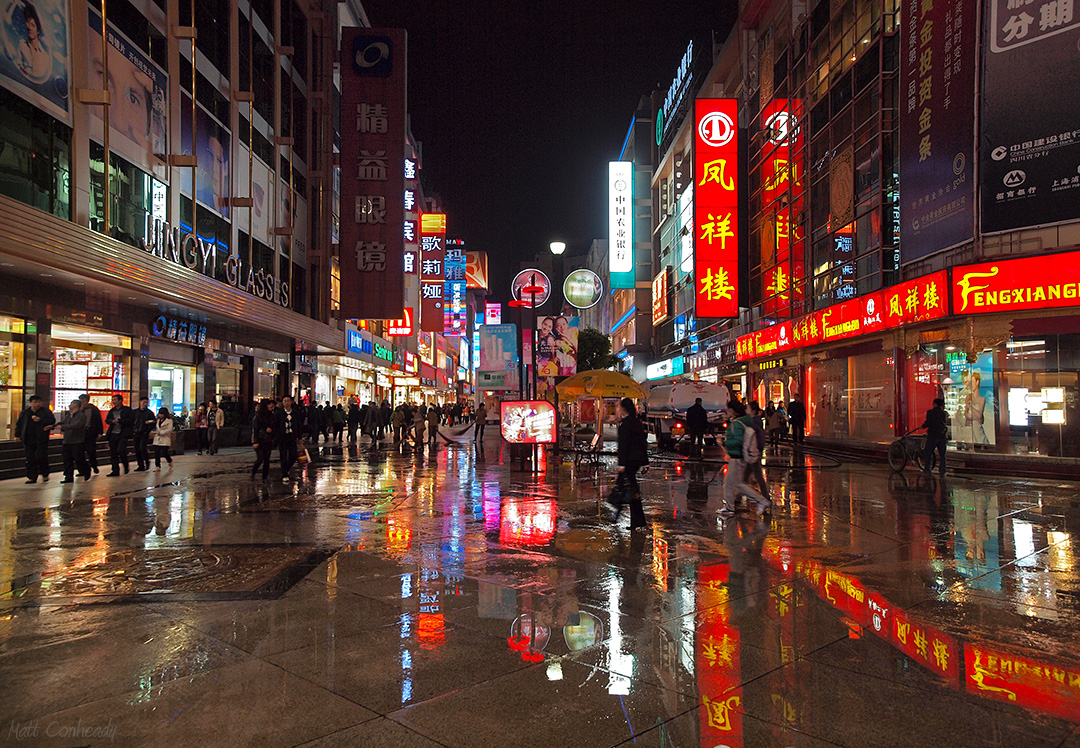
716, 207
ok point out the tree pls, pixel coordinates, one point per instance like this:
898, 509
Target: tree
594, 350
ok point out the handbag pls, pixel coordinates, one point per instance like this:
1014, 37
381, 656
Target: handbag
303, 457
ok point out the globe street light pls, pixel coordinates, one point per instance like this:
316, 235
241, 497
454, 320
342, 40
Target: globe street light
557, 248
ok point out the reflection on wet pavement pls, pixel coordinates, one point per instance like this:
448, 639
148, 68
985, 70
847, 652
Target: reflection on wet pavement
444, 598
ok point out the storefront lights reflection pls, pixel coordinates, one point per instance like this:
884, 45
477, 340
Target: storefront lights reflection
527, 522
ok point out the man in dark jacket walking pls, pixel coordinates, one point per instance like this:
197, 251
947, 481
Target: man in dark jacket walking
33, 429
121, 420
797, 418
291, 425
697, 423
73, 427
632, 456
94, 429
937, 436
144, 426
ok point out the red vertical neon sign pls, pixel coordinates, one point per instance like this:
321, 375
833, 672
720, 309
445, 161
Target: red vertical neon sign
782, 172
716, 207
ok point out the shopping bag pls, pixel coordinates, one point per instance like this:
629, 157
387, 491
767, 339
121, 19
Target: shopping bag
302, 457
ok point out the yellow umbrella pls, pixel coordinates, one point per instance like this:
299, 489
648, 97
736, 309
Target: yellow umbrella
600, 383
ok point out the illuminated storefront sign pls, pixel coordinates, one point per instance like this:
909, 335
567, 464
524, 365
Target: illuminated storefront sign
527, 421
676, 92
670, 368
401, 327
716, 207
493, 314
782, 198
659, 297
583, 289
621, 224
180, 330
476, 270
1043, 282
455, 317
383, 352
912, 302
432, 274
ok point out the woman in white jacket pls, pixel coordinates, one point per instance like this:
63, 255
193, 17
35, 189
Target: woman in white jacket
163, 431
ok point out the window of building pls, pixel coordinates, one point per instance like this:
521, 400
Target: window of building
91, 361
171, 386
12, 374
134, 196
35, 160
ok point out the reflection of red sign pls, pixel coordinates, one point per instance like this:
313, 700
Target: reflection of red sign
527, 421
716, 207
1043, 282
476, 270
717, 661
927, 645
401, 327
1045, 686
529, 522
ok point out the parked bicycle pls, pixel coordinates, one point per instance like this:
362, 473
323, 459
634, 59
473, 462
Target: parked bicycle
908, 447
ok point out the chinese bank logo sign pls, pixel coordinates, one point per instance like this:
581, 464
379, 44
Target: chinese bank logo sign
372, 56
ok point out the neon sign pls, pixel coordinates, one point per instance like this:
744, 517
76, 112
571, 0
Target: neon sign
716, 207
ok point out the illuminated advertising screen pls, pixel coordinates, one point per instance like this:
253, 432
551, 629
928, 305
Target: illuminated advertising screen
455, 315
621, 224
716, 207
527, 421
531, 286
583, 289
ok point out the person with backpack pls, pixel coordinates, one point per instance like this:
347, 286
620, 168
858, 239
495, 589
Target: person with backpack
740, 444
632, 456
754, 468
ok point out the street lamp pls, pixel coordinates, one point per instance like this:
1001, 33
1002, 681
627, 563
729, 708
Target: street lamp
557, 248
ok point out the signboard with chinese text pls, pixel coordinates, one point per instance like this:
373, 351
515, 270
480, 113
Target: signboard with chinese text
717, 661
716, 207
1042, 686
782, 195
455, 315
919, 300
1042, 282
660, 297
621, 224
372, 182
476, 270
928, 646
527, 421
403, 327
432, 273
937, 132
1030, 128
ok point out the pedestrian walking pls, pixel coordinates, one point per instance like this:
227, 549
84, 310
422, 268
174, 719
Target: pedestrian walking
632, 456
398, 422
419, 428
937, 436
121, 420
481, 422
432, 424
289, 432
73, 426
753, 467
697, 423
141, 434
201, 428
215, 422
163, 435
797, 418
774, 423
339, 418
740, 445
326, 423
262, 438
354, 419
95, 427
33, 429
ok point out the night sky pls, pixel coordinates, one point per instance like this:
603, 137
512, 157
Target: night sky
520, 105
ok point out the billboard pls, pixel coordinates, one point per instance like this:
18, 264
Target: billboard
660, 297
401, 328
937, 131
212, 149
492, 313
621, 224
527, 421
716, 207
531, 278
432, 273
556, 346
139, 105
35, 60
373, 109
498, 368
455, 315
583, 289
1025, 284
1030, 129
476, 270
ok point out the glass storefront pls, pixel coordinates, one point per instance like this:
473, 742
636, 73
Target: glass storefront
267, 376
86, 360
852, 397
228, 373
12, 397
171, 386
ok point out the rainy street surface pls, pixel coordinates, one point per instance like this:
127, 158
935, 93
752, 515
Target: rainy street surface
391, 598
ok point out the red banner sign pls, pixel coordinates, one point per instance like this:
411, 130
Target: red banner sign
373, 114
1043, 282
716, 207
403, 327
432, 274
1043, 686
782, 235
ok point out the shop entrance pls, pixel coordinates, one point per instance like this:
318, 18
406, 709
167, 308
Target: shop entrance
89, 361
172, 386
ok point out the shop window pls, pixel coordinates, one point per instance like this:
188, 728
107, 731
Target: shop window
91, 361
1040, 390
852, 398
35, 156
171, 386
13, 397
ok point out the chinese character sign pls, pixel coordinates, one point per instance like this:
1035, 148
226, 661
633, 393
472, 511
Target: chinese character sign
716, 207
621, 224
432, 271
373, 115
455, 317
782, 196
660, 297
1030, 126
937, 131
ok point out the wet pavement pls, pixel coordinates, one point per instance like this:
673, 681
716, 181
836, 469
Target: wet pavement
450, 598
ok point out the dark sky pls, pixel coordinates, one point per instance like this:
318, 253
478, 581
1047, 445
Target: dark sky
521, 104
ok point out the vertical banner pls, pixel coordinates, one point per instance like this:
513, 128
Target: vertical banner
621, 224
372, 179
937, 131
36, 57
411, 266
782, 196
1030, 139
716, 207
556, 346
455, 318
432, 273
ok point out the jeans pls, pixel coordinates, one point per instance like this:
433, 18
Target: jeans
204, 442
142, 452
288, 452
37, 459
262, 458
934, 443
160, 453
74, 456
211, 441
478, 431
118, 452
735, 484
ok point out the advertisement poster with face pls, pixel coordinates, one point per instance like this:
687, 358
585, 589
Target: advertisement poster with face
34, 63
262, 198
212, 149
969, 399
556, 346
138, 101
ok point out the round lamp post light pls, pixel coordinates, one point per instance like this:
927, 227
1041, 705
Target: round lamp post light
583, 289
557, 248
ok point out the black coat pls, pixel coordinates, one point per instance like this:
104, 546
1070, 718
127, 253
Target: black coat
633, 449
31, 431
796, 412
94, 426
697, 418
145, 420
299, 422
936, 423
121, 422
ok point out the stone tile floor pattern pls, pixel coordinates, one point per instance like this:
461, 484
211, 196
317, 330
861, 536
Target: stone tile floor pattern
447, 598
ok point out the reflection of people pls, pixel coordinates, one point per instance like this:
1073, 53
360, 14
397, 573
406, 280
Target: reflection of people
136, 111
33, 60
